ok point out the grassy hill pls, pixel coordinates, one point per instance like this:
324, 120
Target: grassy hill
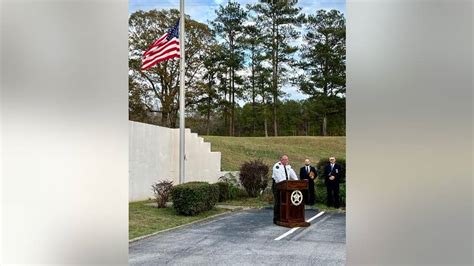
236, 150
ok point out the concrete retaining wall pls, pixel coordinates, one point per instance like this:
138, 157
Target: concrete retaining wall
154, 156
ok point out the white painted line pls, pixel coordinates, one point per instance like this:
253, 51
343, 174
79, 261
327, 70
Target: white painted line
287, 233
296, 228
316, 216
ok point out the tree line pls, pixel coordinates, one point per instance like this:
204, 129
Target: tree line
237, 68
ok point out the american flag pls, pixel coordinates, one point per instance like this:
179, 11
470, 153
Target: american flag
166, 47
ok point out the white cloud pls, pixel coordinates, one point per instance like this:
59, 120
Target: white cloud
310, 7
293, 93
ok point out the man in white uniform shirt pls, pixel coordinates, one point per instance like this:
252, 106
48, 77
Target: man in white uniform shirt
281, 171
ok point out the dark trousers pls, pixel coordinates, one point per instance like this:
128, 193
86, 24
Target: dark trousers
333, 199
276, 203
309, 195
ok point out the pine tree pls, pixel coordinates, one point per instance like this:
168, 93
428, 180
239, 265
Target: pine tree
279, 20
229, 26
323, 60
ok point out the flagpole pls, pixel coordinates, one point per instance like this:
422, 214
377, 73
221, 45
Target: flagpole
181, 92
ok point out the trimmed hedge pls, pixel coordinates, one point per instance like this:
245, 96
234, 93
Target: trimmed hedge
237, 193
194, 197
223, 191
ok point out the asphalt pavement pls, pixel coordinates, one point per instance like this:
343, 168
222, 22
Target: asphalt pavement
246, 238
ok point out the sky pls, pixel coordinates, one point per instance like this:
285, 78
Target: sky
204, 11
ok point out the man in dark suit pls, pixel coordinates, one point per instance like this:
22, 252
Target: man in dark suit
309, 173
332, 177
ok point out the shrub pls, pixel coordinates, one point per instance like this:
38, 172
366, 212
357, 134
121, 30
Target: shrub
321, 193
237, 193
234, 187
213, 196
342, 194
323, 162
242, 193
233, 190
194, 197
162, 190
267, 196
223, 191
254, 177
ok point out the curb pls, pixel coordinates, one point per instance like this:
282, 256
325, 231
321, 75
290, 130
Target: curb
183, 225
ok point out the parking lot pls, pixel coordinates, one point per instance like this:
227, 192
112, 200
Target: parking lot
247, 238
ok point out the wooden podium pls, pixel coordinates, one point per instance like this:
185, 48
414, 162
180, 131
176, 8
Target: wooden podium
292, 203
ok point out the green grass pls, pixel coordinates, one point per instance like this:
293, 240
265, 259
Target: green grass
247, 202
237, 150
144, 219
323, 207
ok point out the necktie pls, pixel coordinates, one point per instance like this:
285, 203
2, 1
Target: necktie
286, 173
307, 169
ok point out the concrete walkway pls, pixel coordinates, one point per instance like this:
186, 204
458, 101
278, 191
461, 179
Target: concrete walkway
246, 238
